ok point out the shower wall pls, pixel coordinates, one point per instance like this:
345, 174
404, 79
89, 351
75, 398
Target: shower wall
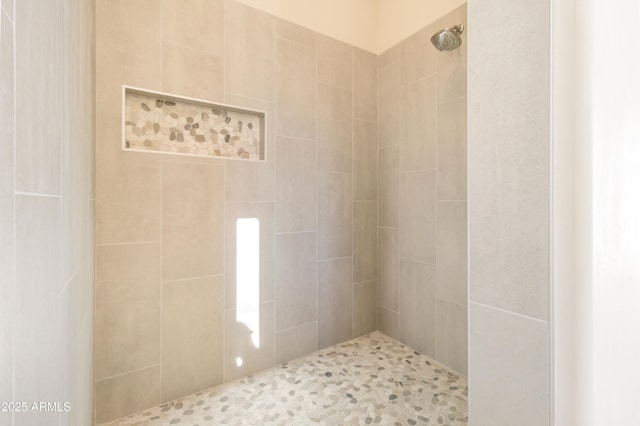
422, 233
46, 210
166, 318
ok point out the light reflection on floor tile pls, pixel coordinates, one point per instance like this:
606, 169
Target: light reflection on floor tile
369, 380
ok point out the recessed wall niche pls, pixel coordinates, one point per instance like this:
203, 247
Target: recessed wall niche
171, 124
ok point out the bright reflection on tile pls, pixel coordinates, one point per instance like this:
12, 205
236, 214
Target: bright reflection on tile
248, 276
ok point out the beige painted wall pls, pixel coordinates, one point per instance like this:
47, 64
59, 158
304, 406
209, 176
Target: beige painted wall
353, 21
373, 25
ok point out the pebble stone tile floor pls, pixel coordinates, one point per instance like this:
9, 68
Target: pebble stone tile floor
369, 380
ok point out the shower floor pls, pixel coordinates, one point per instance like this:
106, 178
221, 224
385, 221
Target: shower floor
369, 380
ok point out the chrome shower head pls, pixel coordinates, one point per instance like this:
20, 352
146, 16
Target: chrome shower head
448, 39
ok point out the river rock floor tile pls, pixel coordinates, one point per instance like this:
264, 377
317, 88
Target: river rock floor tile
369, 380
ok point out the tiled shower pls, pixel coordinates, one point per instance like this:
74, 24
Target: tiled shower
166, 311
368, 214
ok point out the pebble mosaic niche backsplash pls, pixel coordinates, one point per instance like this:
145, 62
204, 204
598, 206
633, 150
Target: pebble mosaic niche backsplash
165, 124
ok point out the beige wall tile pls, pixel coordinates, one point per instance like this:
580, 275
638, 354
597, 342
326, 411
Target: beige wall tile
388, 268
452, 251
37, 312
264, 212
296, 180
388, 186
390, 55
419, 125
389, 105
192, 336
127, 308
451, 336
509, 357
238, 343
388, 322
335, 62
452, 66
126, 394
127, 207
365, 241
334, 301
286, 30
335, 127
128, 49
248, 180
192, 220
335, 215
250, 51
365, 85
295, 89
191, 72
198, 24
418, 55
296, 279
365, 161
418, 216
365, 310
296, 342
509, 201
452, 150
417, 306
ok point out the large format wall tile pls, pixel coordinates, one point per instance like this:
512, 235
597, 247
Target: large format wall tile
296, 279
190, 72
418, 216
451, 335
262, 176
192, 220
127, 308
509, 357
128, 393
335, 62
7, 207
509, 159
334, 301
296, 89
127, 208
335, 215
335, 127
365, 161
417, 306
296, 180
365, 241
388, 186
192, 336
452, 66
197, 24
388, 322
418, 132
418, 55
365, 313
388, 268
296, 342
389, 105
250, 51
39, 89
264, 212
452, 251
125, 53
37, 320
452, 150
240, 347
365, 85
